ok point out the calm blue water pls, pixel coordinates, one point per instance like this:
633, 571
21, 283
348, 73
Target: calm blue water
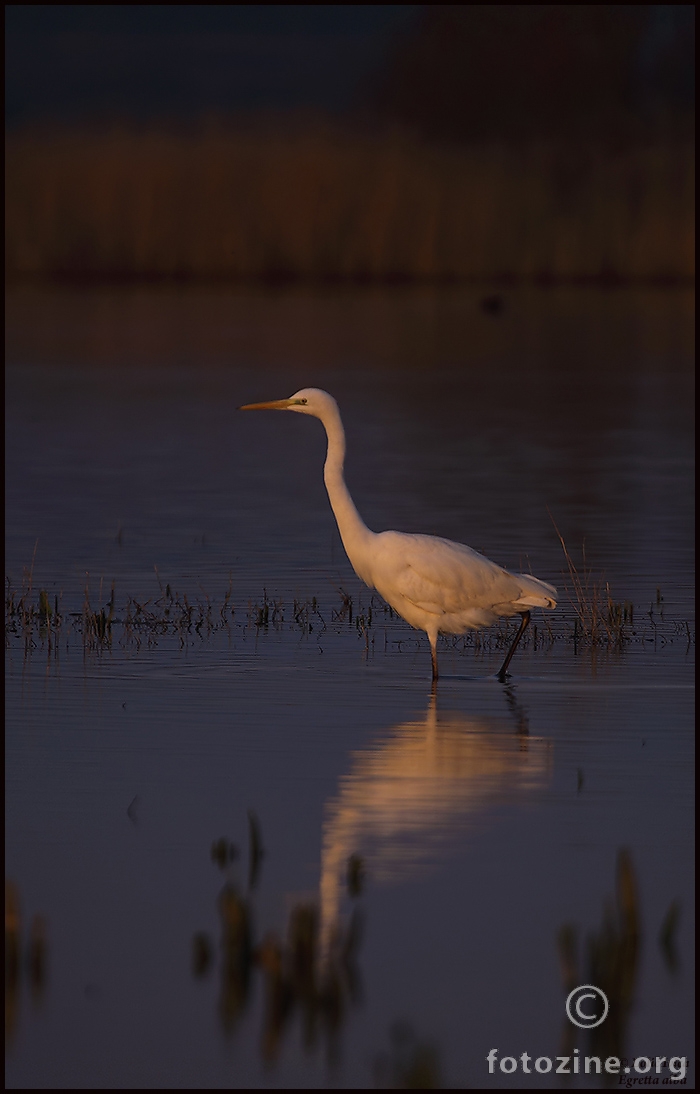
484, 821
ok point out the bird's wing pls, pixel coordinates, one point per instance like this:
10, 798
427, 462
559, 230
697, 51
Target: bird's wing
439, 576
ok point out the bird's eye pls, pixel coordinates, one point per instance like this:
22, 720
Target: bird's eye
303, 401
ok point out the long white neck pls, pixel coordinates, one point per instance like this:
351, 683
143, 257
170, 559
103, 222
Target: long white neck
354, 533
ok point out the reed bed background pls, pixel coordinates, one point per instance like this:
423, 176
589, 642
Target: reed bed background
321, 204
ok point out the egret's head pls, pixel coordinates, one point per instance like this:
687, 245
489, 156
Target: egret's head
310, 400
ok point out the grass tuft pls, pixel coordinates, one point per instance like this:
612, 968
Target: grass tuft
599, 619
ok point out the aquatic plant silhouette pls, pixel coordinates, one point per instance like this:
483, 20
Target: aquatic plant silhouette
25, 963
610, 961
298, 976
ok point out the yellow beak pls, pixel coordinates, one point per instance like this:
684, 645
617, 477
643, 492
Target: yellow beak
275, 404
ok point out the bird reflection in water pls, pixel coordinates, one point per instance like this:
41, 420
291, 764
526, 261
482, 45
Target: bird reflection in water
405, 801
611, 963
395, 815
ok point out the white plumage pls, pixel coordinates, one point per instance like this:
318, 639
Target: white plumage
436, 585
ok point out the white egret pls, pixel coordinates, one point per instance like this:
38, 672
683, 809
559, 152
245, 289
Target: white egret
436, 585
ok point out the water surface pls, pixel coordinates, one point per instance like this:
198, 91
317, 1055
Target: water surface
480, 822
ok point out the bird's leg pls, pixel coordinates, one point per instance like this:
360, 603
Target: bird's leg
433, 654
503, 671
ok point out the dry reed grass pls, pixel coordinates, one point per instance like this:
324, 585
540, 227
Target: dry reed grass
320, 204
598, 619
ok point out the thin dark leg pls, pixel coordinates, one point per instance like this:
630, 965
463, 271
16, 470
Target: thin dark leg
503, 671
433, 654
